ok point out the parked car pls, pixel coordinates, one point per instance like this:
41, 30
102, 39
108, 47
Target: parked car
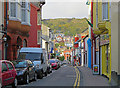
58, 62
39, 58
25, 71
8, 74
54, 64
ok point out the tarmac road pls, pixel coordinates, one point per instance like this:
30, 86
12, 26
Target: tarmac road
66, 76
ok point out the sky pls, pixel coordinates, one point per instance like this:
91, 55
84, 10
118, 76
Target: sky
64, 9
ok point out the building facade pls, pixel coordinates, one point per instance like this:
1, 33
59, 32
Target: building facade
115, 37
35, 29
102, 30
1, 23
18, 27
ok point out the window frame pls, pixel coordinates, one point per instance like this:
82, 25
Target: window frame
96, 13
27, 13
8, 66
106, 10
38, 37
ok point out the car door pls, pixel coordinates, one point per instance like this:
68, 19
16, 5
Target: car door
11, 72
5, 74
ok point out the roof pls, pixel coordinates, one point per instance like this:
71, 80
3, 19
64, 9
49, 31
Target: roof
33, 50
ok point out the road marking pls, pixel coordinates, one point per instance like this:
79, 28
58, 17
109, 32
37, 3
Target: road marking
76, 77
77, 81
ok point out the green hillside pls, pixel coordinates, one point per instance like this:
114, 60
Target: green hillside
67, 26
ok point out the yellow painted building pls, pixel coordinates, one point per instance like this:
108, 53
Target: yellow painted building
102, 27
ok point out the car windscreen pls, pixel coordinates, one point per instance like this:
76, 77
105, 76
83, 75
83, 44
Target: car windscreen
21, 64
30, 56
52, 61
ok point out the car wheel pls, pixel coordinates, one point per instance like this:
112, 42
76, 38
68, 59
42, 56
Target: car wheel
41, 75
35, 77
14, 84
27, 80
51, 71
46, 73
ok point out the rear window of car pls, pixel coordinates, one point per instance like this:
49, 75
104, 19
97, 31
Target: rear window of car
21, 64
30, 56
10, 67
52, 61
4, 67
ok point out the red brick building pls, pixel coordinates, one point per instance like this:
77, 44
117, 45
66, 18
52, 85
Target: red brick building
18, 27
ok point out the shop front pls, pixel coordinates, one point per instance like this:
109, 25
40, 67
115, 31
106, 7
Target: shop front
105, 54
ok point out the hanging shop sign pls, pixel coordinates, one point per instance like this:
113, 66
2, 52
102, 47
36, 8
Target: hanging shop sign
104, 39
95, 69
59, 39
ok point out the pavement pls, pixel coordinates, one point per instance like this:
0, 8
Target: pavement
88, 79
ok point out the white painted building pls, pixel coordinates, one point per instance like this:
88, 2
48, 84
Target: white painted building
115, 43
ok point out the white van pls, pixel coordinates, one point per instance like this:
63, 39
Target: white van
39, 58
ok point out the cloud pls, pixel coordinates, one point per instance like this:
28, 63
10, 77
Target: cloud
65, 9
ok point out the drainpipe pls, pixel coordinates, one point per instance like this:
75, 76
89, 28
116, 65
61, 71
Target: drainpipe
92, 34
6, 33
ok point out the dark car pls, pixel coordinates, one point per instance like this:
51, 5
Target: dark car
25, 71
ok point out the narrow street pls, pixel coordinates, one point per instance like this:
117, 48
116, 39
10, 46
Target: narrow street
59, 43
64, 76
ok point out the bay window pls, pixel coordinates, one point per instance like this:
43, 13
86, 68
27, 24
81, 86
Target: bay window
20, 11
25, 15
12, 9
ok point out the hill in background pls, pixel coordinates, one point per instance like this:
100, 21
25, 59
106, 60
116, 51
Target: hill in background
67, 26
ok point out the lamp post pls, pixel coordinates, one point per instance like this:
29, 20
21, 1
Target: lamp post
41, 3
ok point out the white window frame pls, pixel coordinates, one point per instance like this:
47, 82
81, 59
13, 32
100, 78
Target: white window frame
27, 13
110, 11
103, 12
38, 37
17, 2
10, 17
38, 18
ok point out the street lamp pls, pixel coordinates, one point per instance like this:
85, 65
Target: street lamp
41, 3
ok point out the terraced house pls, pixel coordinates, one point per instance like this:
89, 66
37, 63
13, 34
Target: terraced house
18, 26
105, 28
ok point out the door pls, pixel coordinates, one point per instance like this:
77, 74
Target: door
5, 74
11, 72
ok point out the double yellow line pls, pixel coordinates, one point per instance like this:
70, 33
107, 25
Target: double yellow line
77, 81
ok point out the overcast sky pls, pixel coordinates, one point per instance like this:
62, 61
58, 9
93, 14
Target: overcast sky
65, 9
